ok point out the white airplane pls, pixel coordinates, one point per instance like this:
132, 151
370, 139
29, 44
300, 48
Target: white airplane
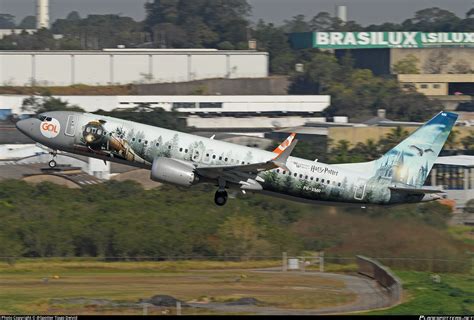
185, 160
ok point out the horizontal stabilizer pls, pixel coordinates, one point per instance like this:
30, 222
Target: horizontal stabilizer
417, 190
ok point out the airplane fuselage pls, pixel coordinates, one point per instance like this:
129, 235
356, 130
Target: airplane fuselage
138, 145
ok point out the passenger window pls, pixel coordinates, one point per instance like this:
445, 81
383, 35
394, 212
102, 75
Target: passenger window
133, 139
157, 144
99, 132
328, 182
322, 180
185, 150
180, 149
169, 147
306, 177
88, 129
220, 158
213, 156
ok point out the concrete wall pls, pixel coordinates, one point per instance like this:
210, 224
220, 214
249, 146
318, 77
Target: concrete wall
62, 68
383, 276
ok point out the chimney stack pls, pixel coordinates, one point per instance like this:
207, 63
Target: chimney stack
42, 14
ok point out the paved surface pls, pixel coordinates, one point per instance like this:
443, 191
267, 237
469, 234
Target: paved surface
369, 296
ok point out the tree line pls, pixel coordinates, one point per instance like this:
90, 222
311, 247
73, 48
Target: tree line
121, 219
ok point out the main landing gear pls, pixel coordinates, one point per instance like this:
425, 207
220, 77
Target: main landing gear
220, 197
53, 163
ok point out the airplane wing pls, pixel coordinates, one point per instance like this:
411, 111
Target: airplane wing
416, 190
246, 174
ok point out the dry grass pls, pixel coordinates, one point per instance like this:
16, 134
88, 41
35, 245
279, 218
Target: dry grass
23, 291
78, 89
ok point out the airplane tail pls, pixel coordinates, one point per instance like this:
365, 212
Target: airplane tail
409, 163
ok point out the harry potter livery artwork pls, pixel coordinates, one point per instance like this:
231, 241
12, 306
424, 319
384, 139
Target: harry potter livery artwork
184, 159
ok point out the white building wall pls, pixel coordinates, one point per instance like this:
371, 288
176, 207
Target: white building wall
215, 65
243, 104
59, 68
16, 70
130, 68
249, 122
52, 69
99, 74
170, 68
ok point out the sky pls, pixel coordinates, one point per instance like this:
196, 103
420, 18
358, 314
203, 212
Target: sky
364, 12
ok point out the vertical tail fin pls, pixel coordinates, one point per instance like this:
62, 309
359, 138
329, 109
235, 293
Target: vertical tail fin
410, 162
285, 144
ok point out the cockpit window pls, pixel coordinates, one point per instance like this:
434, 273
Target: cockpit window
42, 118
49, 119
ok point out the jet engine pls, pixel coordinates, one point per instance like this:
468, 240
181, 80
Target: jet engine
172, 171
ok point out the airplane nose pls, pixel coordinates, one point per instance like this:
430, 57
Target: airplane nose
25, 126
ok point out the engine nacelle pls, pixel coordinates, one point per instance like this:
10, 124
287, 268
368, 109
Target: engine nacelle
173, 171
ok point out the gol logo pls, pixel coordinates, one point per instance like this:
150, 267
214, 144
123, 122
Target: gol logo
50, 129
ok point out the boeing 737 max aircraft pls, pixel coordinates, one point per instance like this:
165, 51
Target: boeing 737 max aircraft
185, 160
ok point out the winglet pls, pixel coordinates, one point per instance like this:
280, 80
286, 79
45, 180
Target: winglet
285, 143
280, 159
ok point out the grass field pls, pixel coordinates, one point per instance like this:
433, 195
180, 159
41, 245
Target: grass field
23, 290
453, 295
463, 233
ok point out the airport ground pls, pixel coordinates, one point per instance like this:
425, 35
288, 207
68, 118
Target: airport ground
86, 286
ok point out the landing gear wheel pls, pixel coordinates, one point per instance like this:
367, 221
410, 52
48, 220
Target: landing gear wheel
52, 164
220, 198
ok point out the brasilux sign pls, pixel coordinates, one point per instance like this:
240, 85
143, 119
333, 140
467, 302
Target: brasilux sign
365, 40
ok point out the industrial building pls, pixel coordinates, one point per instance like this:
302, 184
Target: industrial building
455, 175
125, 66
197, 104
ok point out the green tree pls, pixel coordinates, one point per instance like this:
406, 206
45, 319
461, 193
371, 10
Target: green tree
73, 16
468, 142
297, 24
274, 40
7, 21
47, 103
432, 20
28, 22
407, 65
240, 237
201, 23
393, 138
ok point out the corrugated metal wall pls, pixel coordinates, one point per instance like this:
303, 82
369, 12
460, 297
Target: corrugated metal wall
62, 68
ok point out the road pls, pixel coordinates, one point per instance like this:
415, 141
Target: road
369, 296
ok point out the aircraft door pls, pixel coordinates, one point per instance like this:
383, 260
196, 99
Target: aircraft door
196, 156
71, 126
360, 189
